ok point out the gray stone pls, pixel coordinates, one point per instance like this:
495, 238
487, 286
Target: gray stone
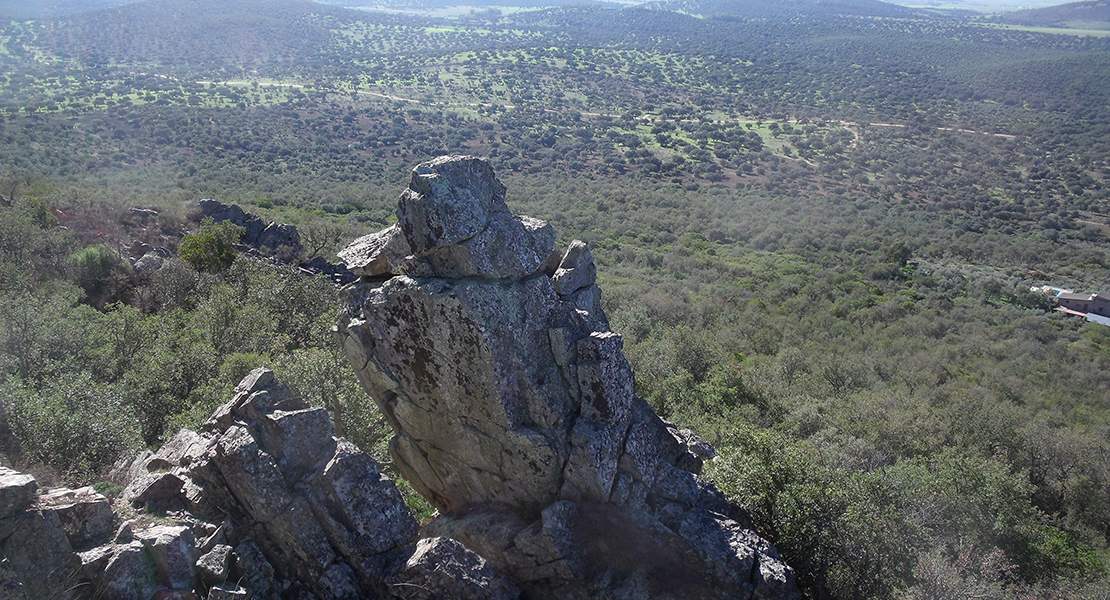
173, 550
314, 515
214, 566
252, 475
139, 248
95, 560
364, 499
39, 554
253, 571
11, 588
297, 534
457, 224
154, 491
17, 491
300, 440
279, 239
85, 514
124, 534
184, 448
379, 253
442, 356
444, 568
338, 581
449, 200
576, 271
131, 574
511, 398
148, 263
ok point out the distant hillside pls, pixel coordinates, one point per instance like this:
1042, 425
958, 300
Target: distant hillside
778, 9
1093, 14
440, 4
247, 33
44, 9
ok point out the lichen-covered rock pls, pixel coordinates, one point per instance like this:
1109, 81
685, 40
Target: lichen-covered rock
38, 553
173, 551
130, 574
154, 491
379, 253
443, 568
85, 514
17, 491
11, 588
282, 506
452, 222
576, 270
515, 412
214, 566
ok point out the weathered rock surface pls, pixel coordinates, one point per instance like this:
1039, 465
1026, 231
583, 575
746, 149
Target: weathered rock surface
515, 411
85, 514
377, 253
262, 503
444, 568
17, 491
41, 561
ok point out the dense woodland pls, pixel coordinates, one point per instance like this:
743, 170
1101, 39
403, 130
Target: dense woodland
816, 228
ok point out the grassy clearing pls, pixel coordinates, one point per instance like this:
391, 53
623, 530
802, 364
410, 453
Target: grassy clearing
1056, 30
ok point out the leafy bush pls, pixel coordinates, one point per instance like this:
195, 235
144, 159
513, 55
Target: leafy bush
73, 423
213, 248
102, 273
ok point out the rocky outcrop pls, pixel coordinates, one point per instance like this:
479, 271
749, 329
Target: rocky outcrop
515, 412
263, 502
272, 239
277, 241
36, 559
287, 505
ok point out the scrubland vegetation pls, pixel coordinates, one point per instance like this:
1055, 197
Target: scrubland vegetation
816, 234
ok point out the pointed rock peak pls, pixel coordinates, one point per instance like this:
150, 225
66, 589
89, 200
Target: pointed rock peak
449, 200
577, 270
453, 223
515, 412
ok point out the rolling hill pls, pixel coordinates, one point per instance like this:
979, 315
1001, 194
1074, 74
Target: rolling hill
1093, 14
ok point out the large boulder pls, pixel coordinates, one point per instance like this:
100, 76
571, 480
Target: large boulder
85, 514
515, 412
456, 224
35, 546
17, 491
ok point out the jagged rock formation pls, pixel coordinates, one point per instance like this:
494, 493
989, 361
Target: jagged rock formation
262, 503
302, 514
515, 411
278, 241
270, 238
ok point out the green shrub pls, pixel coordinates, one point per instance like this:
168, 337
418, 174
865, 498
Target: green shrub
102, 273
73, 424
213, 248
